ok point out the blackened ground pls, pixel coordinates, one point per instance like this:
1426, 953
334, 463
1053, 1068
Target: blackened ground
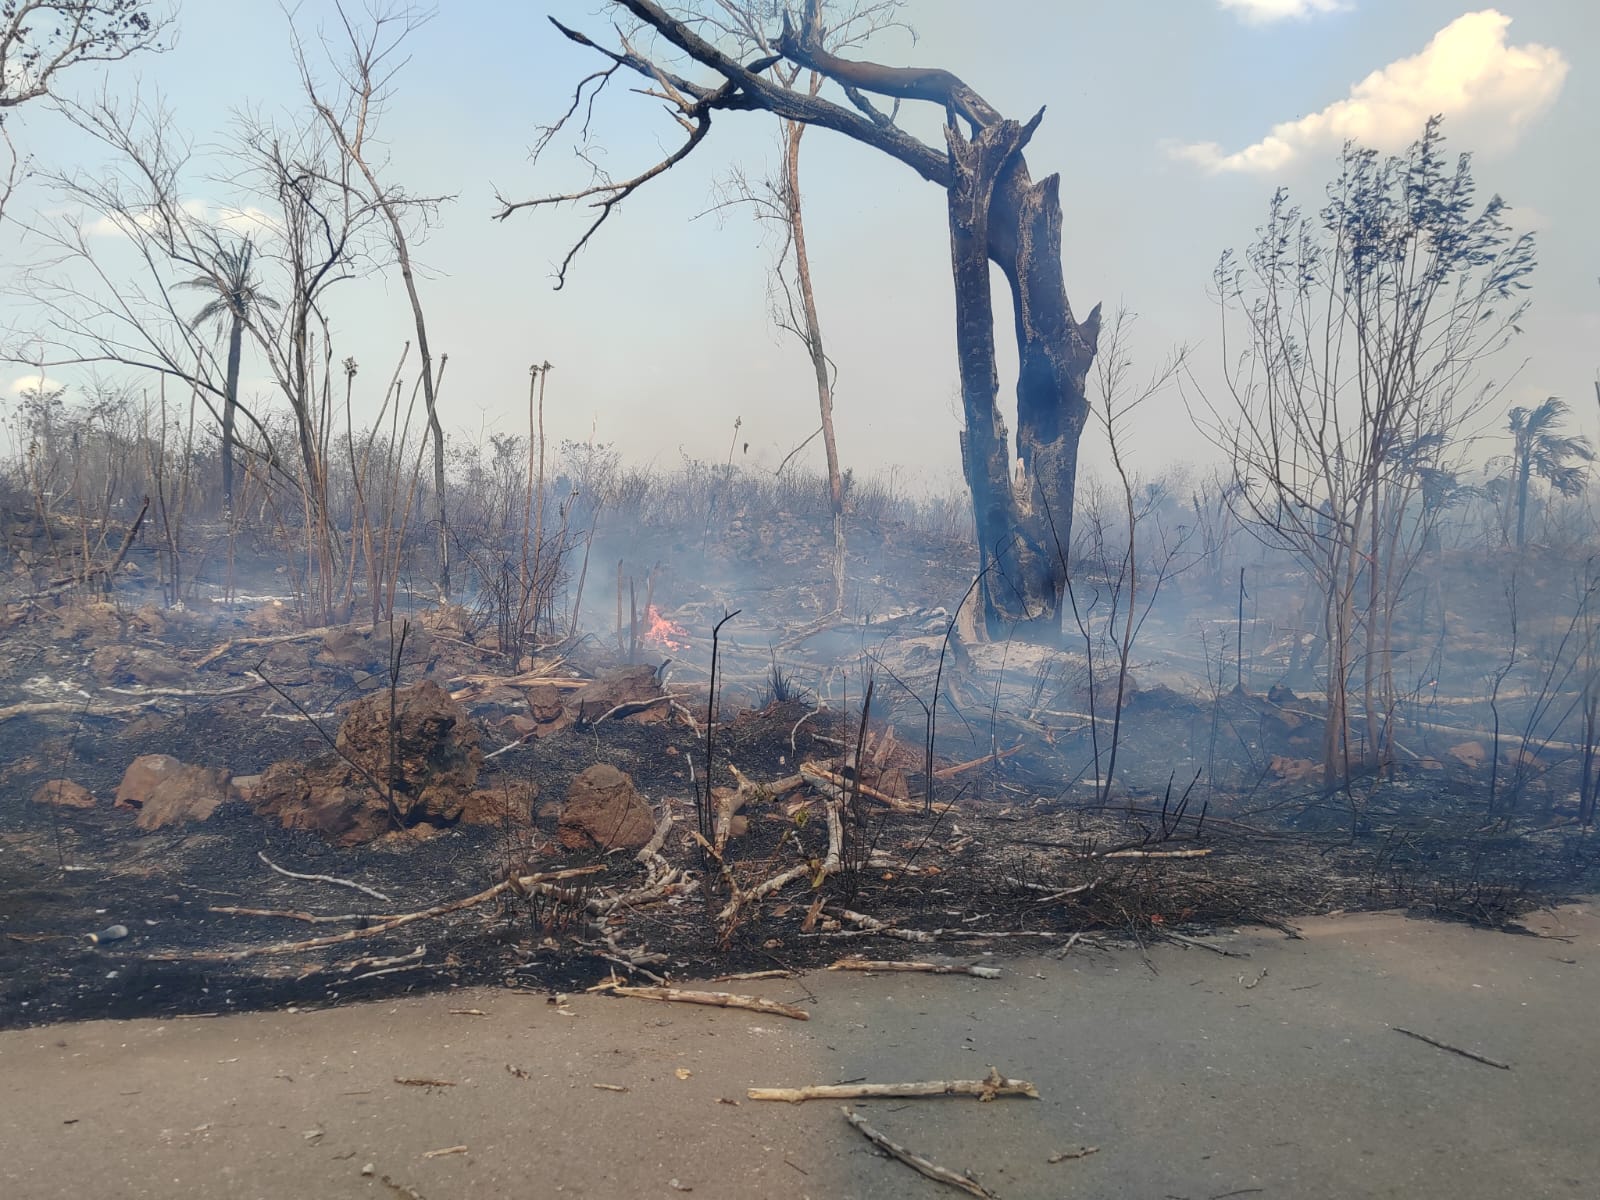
990, 866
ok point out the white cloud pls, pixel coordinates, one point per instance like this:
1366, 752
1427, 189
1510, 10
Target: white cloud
1260, 12
33, 383
236, 220
1467, 72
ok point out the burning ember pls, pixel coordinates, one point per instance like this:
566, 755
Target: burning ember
664, 632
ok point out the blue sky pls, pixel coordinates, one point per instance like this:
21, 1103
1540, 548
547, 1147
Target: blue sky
1171, 122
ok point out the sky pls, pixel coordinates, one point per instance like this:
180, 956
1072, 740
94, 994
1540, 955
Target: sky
1170, 121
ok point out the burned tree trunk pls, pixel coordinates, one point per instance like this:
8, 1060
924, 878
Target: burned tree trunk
1023, 521
997, 214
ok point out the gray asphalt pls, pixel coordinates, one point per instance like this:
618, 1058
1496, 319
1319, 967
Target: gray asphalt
1197, 1076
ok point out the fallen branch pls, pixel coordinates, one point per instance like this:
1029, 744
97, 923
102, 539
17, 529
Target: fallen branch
522, 884
476, 685
714, 1000
1066, 1155
349, 883
915, 1161
873, 925
1422, 1037
831, 865
988, 1088
1201, 853
955, 769
927, 968
79, 708
831, 783
1185, 940
274, 639
291, 915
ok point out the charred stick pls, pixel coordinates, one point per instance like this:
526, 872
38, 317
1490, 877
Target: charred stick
1446, 1046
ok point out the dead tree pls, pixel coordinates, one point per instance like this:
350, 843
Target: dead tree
39, 39
366, 72
997, 213
777, 199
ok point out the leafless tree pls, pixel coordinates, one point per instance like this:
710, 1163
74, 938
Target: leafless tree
997, 213
42, 39
1118, 609
366, 68
1354, 341
777, 198
93, 304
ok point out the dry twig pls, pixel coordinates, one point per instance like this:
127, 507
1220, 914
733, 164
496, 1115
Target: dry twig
360, 887
713, 999
988, 1088
930, 968
523, 885
915, 1161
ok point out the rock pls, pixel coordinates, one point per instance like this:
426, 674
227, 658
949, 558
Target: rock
511, 805
168, 792
243, 787
625, 685
149, 621
1471, 754
124, 665
451, 620
190, 794
1292, 770
63, 793
435, 771
353, 649
142, 776
95, 624
366, 657
604, 811
545, 702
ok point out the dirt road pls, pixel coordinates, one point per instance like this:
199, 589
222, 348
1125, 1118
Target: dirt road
1196, 1075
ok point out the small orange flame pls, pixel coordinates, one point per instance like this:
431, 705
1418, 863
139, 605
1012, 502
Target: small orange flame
664, 632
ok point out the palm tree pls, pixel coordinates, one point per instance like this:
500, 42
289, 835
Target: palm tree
237, 299
1538, 448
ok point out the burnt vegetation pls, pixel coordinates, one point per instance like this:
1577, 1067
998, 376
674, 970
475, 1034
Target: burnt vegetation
559, 715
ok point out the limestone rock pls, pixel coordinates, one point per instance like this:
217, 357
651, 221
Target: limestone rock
604, 811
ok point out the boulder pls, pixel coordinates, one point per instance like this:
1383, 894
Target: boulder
63, 793
603, 811
624, 685
511, 805
142, 776
192, 794
168, 792
434, 772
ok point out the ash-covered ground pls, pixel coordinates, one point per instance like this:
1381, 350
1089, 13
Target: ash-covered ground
1216, 814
